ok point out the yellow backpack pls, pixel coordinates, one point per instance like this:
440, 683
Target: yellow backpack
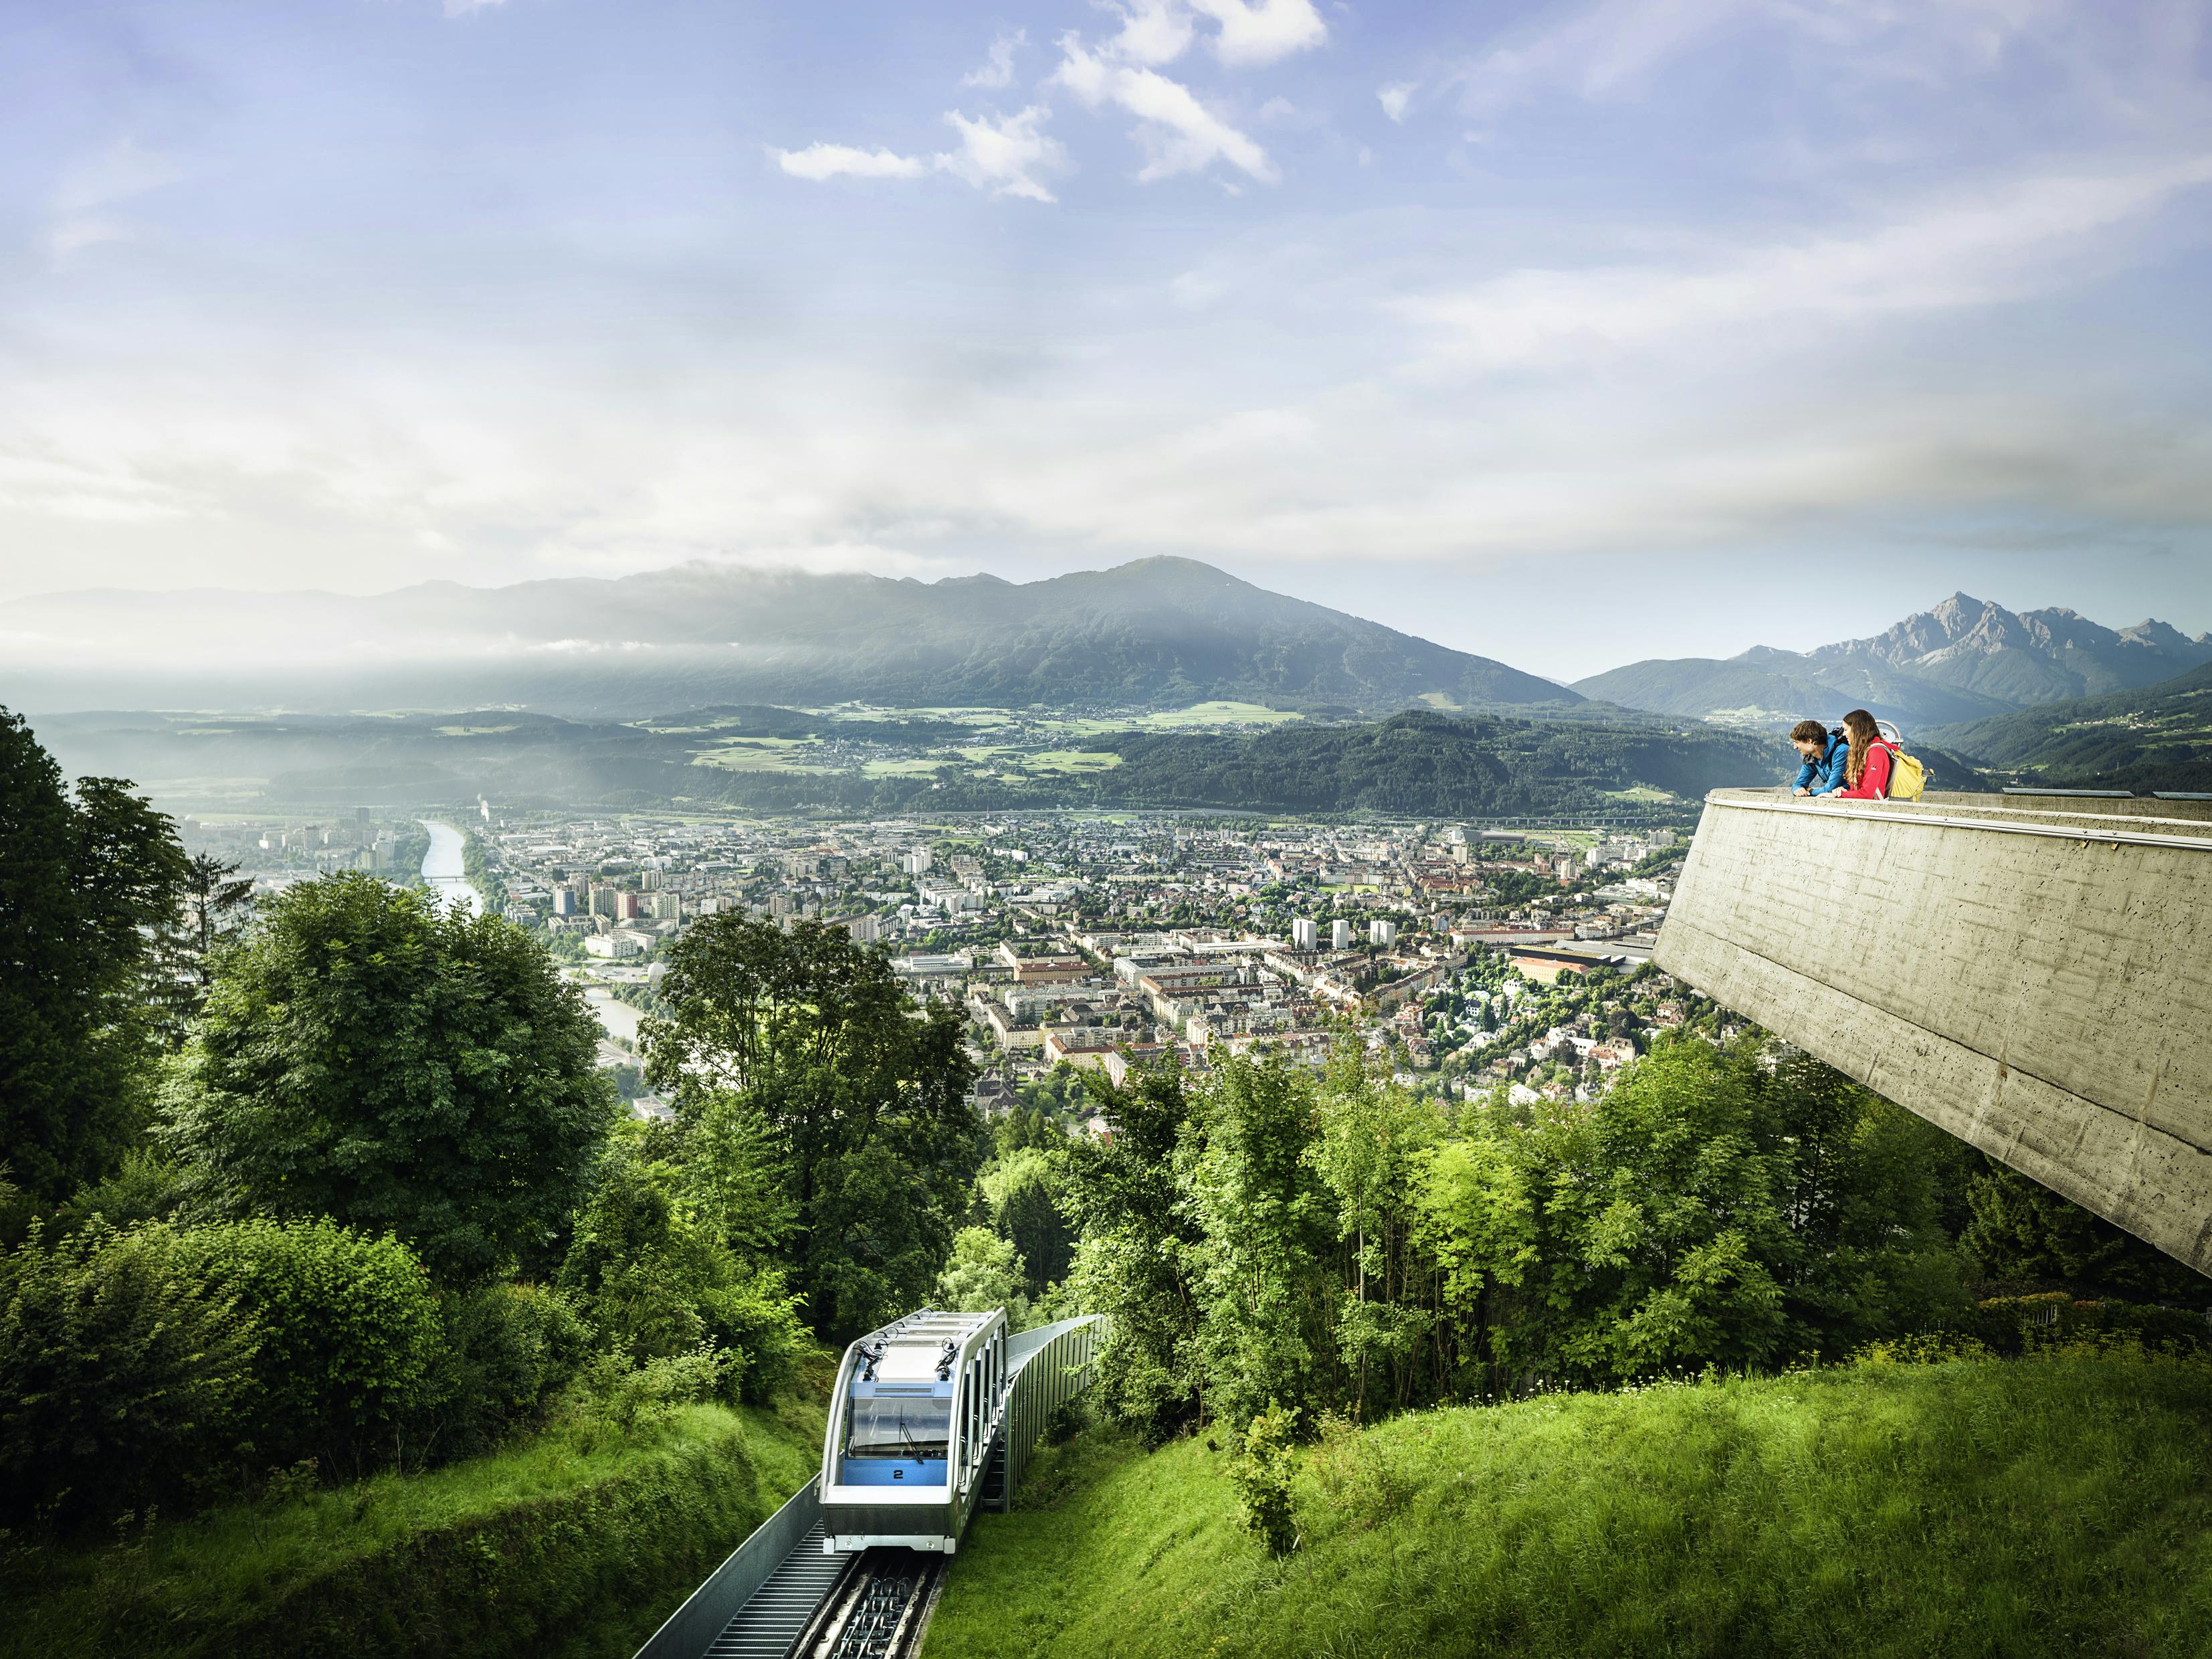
1907, 776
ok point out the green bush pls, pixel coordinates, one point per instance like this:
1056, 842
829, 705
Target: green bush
658, 1284
508, 1349
351, 1339
755, 1318
1262, 1478
2017, 1325
126, 1377
147, 1187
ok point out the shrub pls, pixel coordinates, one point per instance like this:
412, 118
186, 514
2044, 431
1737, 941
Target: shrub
755, 1321
658, 1284
610, 1396
350, 1335
126, 1378
1262, 1478
509, 1348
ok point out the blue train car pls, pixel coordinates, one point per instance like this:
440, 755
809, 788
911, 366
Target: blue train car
916, 1409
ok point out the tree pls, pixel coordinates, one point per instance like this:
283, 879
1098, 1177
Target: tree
1137, 1262
213, 903
85, 880
863, 1097
983, 1271
1269, 1226
2022, 1230
1023, 1188
367, 1057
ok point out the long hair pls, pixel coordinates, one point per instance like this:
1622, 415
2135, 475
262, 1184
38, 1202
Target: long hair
1859, 726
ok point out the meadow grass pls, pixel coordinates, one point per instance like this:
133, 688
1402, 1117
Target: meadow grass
569, 1543
1997, 1507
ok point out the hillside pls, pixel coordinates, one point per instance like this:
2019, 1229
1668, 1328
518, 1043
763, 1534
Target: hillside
1156, 632
1987, 1508
2156, 739
573, 1544
1416, 763
1964, 660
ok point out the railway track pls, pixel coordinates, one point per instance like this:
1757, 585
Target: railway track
877, 1608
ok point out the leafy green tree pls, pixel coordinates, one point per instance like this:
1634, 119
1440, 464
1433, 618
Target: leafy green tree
87, 877
1370, 1138
862, 1097
350, 1344
1715, 1207
658, 1282
1137, 1260
1269, 1226
367, 1057
983, 1271
1024, 1190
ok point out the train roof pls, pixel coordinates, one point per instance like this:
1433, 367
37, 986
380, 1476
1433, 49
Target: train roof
910, 1348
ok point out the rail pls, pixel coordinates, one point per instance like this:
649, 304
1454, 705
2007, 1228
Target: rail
693, 1628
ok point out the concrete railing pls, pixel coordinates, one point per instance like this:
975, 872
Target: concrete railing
2033, 973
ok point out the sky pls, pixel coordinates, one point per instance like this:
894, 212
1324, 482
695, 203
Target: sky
1567, 333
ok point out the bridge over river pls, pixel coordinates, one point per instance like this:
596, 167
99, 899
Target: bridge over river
2033, 973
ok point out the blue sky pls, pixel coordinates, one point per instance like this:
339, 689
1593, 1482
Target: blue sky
1569, 333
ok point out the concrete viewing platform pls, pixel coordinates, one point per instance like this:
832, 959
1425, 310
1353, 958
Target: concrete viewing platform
2033, 973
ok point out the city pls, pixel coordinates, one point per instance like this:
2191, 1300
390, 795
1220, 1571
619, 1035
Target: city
1465, 958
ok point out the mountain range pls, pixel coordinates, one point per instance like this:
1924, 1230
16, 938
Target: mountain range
1964, 660
1155, 633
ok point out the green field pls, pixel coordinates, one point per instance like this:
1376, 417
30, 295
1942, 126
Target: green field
899, 769
1071, 760
760, 755
1984, 1507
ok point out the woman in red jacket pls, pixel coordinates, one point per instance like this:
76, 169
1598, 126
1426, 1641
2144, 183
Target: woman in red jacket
1866, 772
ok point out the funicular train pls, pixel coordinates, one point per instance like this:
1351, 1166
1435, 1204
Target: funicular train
916, 1410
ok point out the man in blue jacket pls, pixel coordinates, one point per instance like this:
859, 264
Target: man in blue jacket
1824, 754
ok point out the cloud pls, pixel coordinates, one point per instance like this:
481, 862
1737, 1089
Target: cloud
1179, 133
1262, 32
462, 7
820, 161
79, 217
997, 69
1996, 246
1152, 32
1615, 46
1006, 155
1395, 98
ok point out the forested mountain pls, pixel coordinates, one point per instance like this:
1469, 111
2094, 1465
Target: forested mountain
1156, 632
1417, 762
1963, 660
2160, 737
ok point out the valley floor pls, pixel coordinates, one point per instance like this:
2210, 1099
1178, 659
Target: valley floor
1974, 1507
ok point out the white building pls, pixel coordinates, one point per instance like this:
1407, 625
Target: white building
1305, 935
1340, 936
1382, 933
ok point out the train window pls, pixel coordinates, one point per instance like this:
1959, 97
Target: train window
897, 1425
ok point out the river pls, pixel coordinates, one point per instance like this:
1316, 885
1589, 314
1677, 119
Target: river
442, 867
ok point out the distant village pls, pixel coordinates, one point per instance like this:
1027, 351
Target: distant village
1469, 958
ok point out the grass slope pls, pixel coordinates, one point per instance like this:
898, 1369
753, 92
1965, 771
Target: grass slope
2057, 1505
568, 1545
